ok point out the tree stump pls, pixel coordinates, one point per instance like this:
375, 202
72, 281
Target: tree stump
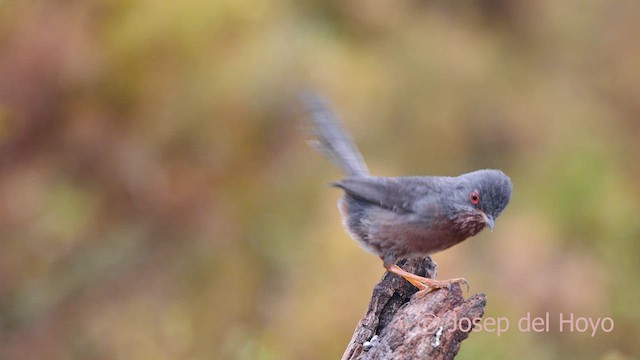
404, 324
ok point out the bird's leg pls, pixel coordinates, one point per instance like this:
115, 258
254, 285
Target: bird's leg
423, 283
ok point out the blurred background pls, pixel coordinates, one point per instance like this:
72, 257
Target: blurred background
158, 199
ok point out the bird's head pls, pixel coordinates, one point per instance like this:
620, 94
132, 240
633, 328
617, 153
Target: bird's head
479, 198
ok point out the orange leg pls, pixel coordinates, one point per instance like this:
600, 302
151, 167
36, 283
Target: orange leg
423, 283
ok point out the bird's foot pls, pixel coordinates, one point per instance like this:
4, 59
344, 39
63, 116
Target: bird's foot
432, 284
426, 284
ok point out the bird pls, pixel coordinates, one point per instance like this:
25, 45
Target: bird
408, 216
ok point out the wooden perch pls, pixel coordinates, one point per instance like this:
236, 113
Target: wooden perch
399, 325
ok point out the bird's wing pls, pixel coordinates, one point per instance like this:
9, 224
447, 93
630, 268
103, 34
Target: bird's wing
389, 193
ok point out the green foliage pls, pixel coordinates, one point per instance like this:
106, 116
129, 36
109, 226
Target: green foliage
159, 200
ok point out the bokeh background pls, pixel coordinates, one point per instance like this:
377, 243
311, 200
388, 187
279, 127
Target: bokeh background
158, 199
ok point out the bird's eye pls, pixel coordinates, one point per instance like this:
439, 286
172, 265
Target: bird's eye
474, 197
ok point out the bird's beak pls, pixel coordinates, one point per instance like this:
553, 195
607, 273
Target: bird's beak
488, 219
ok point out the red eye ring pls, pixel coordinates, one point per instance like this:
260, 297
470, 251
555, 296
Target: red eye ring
474, 197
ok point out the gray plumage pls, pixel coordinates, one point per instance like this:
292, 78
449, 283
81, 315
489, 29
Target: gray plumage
332, 139
403, 217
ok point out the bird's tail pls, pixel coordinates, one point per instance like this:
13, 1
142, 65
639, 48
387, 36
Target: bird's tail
331, 138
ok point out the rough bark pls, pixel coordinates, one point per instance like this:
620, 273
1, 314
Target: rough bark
402, 323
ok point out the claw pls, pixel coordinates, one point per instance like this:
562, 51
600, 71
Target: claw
437, 284
426, 284
466, 283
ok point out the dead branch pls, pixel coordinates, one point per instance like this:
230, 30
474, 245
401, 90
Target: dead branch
403, 324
